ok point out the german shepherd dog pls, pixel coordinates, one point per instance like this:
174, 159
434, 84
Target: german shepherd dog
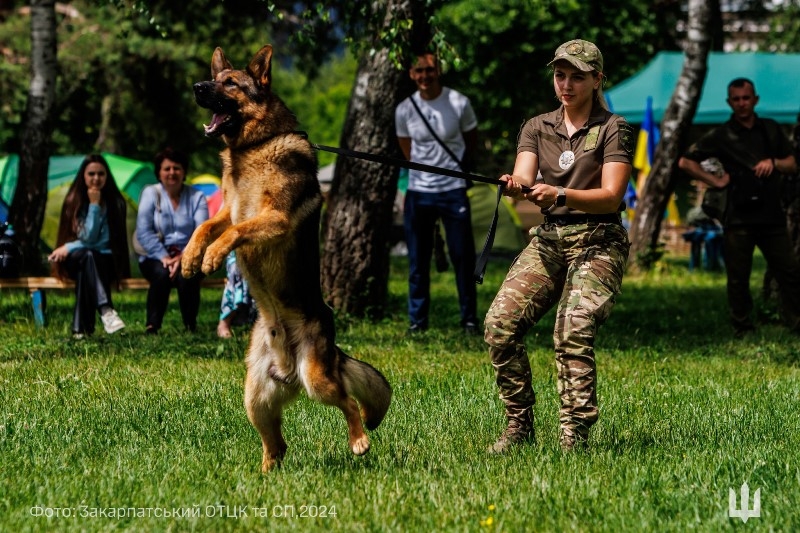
271, 217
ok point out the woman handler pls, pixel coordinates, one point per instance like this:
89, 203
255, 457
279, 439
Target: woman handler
576, 258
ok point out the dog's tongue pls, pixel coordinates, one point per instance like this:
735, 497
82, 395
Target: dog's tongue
216, 120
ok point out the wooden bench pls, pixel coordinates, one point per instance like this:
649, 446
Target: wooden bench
37, 286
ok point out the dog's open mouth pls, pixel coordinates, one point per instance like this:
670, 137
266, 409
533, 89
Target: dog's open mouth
218, 120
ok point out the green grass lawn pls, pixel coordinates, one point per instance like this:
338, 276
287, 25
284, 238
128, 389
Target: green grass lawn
136, 433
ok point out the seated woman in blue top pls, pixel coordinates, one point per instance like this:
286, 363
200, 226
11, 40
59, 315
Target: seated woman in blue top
92, 245
169, 212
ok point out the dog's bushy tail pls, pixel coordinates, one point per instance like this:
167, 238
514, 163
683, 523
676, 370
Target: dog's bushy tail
368, 387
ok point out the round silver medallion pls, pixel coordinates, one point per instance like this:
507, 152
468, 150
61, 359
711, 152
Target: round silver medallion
566, 159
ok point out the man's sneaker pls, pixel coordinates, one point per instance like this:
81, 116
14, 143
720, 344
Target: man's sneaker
111, 321
416, 329
471, 328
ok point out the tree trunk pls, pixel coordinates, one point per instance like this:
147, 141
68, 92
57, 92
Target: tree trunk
675, 125
107, 137
355, 260
358, 219
30, 196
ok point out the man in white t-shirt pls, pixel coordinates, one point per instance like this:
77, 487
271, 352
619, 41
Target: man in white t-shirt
430, 197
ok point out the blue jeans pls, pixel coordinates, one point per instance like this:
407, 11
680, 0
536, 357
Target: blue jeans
421, 211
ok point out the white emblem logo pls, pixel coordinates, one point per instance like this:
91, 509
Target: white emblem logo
744, 513
566, 159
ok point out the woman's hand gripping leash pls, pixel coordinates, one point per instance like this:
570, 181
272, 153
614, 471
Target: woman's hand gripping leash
538, 194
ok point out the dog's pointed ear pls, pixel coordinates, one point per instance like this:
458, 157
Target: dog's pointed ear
260, 67
219, 63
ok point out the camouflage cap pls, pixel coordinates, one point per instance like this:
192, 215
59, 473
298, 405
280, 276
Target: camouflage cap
581, 54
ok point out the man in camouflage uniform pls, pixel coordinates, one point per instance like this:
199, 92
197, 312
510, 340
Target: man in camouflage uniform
576, 259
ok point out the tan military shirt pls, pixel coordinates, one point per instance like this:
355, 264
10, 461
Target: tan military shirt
577, 162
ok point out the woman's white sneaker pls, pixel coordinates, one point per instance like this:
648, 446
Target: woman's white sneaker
111, 321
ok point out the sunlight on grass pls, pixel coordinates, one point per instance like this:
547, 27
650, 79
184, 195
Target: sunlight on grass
157, 425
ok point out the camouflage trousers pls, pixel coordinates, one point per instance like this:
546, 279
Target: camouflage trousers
579, 269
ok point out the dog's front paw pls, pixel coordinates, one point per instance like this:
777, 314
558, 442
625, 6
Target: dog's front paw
191, 259
214, 258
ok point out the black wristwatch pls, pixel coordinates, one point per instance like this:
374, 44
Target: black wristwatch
561, 199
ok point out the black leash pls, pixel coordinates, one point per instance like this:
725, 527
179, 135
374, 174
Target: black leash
410, 164
480, 264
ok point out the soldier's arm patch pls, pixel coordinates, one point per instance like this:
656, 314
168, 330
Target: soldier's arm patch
626, 138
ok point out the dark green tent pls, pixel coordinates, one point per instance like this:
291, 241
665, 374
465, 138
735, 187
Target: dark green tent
130, 175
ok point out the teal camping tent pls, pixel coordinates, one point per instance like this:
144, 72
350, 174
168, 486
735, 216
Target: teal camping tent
130, 175
773, 74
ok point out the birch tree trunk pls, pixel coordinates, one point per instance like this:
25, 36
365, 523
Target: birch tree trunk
30, 196
675, 125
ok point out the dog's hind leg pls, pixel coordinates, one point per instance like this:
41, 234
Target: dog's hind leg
264, 400
367, 386
268, 389
332, 392
323, 382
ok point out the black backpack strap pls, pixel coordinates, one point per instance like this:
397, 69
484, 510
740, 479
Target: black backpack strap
430, 129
